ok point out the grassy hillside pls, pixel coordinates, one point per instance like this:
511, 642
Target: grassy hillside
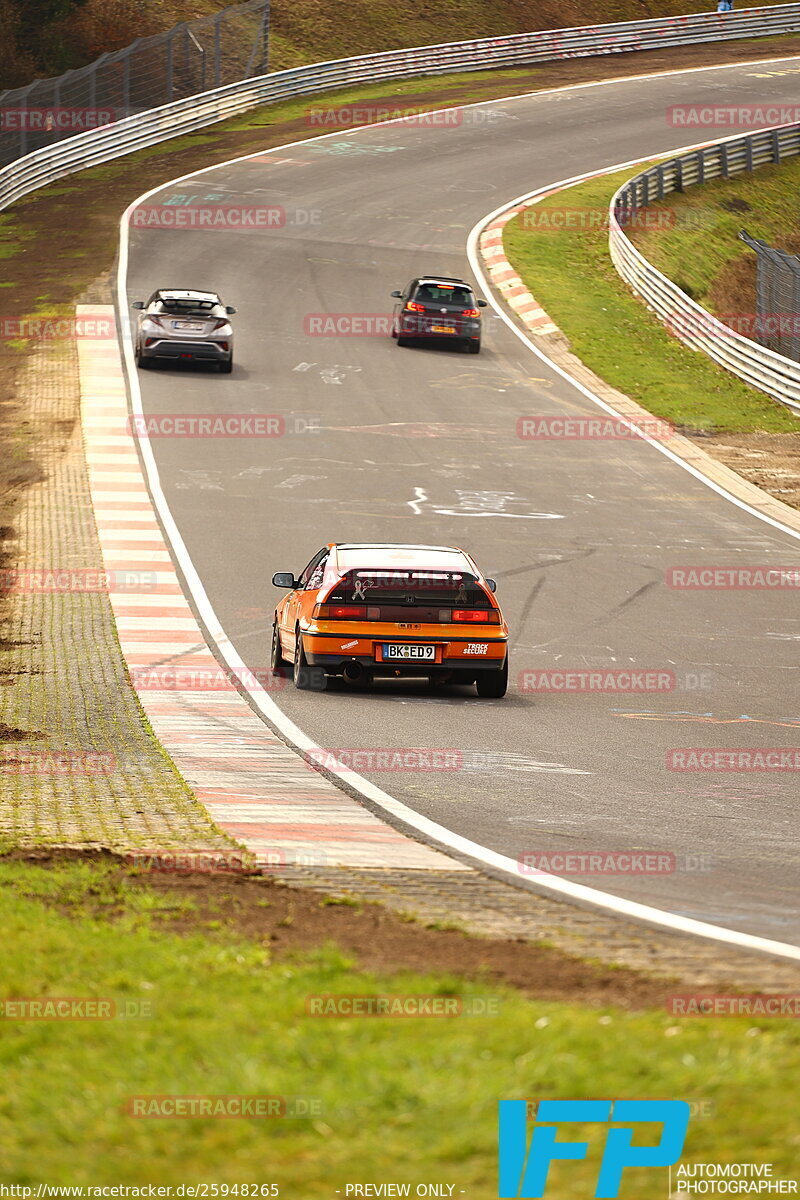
46, 37
702, 251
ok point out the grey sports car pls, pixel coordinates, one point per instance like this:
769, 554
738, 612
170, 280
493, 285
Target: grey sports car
180, 325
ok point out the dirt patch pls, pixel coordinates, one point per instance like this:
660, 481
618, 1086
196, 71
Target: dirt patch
770, 460
294, 921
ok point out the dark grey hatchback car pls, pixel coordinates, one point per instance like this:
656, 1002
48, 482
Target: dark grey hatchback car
182, 325
438, 308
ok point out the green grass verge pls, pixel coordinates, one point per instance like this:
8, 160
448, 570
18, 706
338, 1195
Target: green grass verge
704, 244
400, 1100
570, 273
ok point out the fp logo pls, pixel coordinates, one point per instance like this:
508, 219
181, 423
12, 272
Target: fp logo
523, 1169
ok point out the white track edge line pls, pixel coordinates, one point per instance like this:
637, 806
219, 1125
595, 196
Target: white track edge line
616, 905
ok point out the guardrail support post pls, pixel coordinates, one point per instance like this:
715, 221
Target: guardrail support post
126, 85
170, 69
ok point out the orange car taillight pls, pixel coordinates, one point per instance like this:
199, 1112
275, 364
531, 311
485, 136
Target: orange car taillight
412, 306
486, 616
470, 312
339, 612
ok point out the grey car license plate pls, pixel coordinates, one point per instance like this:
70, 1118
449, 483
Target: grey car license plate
417, 653
193, 325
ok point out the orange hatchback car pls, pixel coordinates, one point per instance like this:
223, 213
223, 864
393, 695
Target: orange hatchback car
367, 610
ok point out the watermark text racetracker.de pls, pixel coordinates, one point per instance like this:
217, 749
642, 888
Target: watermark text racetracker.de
774, 759
23, 760
191, 215
177, 678
73, 1008
53, 119
715, 1004
222, 425
611, 862
58, 327
351, 116
266, 858
612, 680
223, 1107
731, 116
548, 218
429, 1004
348, 324
712, 577
384, 758
756, 326
544, 427
616, 679
71, 580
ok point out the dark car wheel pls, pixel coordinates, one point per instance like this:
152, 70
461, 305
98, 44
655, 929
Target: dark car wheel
276, 659
403, 341
492, 685
306, 678
142, 362
474, 347
225, 368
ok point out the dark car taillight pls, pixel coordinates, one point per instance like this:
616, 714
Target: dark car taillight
470, 312
412, 306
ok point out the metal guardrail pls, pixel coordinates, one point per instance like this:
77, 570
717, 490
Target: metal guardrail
171, 120
757, 365
190, 58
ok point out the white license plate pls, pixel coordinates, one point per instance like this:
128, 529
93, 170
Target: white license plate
443, 329
417, 653
193, 325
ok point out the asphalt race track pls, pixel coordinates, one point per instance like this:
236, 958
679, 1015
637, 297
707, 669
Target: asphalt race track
420, 445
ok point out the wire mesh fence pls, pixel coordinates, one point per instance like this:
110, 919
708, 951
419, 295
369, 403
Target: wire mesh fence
777, 298
757, 348
190, 58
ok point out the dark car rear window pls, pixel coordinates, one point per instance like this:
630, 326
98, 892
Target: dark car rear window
198, 307
436, 293
418, 587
